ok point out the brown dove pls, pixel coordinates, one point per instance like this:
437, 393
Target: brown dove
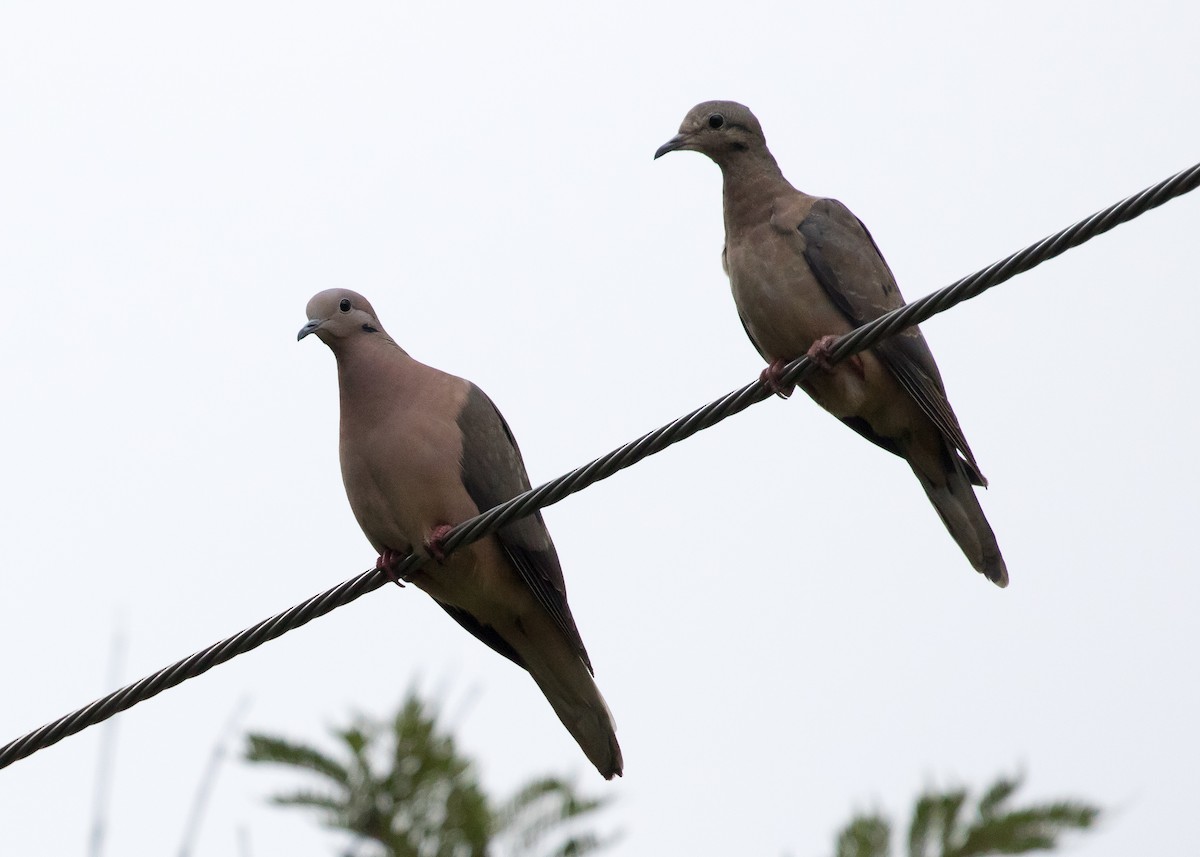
804, 271
421, 451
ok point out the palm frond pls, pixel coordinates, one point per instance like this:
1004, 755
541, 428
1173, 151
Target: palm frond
542, 807
403, 786
866, 835
312, 800
1035, 828
934, 823
280, 751
998, 793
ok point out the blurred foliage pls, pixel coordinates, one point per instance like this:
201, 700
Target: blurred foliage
942, 827
403, 789
865, 836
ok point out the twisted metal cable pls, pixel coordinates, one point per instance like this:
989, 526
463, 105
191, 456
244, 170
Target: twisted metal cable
601, 468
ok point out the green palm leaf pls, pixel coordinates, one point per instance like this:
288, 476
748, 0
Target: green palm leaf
402, 788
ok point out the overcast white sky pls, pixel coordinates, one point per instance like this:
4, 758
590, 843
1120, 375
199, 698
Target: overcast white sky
780, 623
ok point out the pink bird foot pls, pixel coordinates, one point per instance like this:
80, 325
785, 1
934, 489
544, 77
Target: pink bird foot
821, 351
433, 542
772, 375
387, 563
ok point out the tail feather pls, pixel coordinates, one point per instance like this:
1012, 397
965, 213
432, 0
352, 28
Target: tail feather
577, 701
949, 489
568, 685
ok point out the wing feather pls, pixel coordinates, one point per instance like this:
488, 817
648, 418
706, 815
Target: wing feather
861, 285
492, 472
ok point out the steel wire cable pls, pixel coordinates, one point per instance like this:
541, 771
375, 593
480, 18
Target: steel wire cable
601, 468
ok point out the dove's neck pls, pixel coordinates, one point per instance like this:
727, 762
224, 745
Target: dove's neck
369, 365
751, 184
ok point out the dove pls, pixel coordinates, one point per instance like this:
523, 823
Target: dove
803, 271
421, 451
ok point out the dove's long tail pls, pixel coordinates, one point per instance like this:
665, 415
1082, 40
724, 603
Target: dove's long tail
582, 709
567, 683
945, 481
571, 691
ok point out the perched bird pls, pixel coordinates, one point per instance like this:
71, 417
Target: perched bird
421, 451
804, 271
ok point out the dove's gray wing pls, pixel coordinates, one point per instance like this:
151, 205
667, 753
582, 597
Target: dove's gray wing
847, 263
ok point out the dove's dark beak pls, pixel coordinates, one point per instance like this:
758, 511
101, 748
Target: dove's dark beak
310, 327
679, 141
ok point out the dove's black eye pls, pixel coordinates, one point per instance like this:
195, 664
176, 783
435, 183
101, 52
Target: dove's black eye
344, 306
716, 120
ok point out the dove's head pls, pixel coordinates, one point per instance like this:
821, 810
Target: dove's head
337, 316
719, 129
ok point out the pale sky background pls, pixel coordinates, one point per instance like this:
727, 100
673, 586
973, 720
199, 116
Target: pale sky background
781, 625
